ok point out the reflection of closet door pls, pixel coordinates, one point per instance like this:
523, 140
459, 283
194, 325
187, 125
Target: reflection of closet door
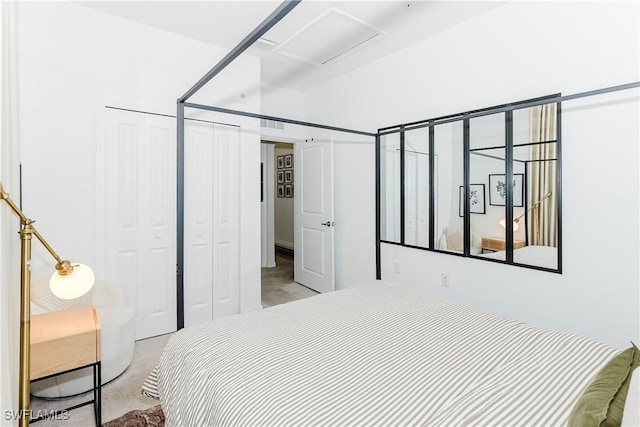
139, 199
212, 221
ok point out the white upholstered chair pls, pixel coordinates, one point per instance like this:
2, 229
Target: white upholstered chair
117, 334
451, 240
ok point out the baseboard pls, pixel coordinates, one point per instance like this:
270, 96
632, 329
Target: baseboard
284, 251
283, 244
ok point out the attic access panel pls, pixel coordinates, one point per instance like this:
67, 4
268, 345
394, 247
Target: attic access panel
331, 36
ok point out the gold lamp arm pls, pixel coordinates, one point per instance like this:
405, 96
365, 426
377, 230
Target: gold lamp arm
535, 205
63, 267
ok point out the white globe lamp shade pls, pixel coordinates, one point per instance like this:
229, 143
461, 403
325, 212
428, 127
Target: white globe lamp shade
503, 223
72, 285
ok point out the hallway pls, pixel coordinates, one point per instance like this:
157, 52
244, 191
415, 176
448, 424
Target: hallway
278, 286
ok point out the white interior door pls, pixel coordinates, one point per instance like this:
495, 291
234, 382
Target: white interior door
140, 207
313, 215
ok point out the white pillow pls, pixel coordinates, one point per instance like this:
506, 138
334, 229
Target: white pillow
631, 414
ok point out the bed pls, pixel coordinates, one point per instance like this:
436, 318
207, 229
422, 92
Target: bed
540, 256
374, 354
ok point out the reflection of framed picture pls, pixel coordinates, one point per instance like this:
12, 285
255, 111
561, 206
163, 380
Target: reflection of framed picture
288, 190
280, 190
280, 162
288, 161
288, 176
498, 189
476, 199
280, 177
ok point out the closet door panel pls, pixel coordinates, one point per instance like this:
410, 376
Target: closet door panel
226, 220
139, 199
157, 293
198, 238
124, 134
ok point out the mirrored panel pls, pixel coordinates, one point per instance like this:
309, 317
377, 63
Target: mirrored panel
416, 187
535, 153
424, 201
448, 150
390, 188
487, 186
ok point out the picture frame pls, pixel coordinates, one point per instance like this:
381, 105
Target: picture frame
288, 190
477, 198
498, 189
280, 190
288, 161
288, 176
280, 162
280, 177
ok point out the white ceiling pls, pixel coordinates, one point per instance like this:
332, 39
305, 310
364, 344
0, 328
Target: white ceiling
383, 28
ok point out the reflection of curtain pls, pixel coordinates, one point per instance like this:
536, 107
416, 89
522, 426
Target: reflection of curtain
542, 226
9, 223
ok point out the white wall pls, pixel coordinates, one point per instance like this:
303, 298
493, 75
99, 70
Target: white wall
267, 209
286, 103
283, 205
517, 51
9, 222
73, 65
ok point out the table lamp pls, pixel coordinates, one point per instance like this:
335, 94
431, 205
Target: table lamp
503, 222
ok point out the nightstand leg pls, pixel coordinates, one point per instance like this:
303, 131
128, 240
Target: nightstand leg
97, 393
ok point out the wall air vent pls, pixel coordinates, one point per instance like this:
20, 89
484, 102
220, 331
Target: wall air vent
271, 124
329, 37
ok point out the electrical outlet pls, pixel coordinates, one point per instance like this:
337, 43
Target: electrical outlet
444, 280
396, 267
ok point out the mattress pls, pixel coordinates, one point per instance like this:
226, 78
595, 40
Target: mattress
374, 354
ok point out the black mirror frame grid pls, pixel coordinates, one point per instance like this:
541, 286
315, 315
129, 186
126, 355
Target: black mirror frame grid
508, 146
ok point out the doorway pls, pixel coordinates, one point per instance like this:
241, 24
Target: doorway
278, 248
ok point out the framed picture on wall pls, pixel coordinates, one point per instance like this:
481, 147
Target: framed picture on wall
288, 161
280, 190
288, 176
476, 199
280, 161
280, 177
288, 190
498, 189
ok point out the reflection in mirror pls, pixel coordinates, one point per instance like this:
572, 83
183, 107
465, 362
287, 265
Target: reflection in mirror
390, 187
537, 150
416, 187
535, 189
487, 184
535, 198
448, 149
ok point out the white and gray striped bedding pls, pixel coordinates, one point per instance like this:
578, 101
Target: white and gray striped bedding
377, 354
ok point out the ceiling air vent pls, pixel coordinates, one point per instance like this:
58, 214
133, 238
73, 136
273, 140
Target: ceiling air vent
331, 36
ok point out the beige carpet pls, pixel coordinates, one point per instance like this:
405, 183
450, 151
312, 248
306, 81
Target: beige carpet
278, 286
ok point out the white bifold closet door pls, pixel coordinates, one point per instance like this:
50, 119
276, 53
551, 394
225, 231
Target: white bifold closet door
212, 221
140, 215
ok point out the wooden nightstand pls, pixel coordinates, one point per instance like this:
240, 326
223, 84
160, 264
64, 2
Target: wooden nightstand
500, 244
65, 341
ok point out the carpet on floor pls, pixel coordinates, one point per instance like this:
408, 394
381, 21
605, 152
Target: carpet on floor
152, 417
